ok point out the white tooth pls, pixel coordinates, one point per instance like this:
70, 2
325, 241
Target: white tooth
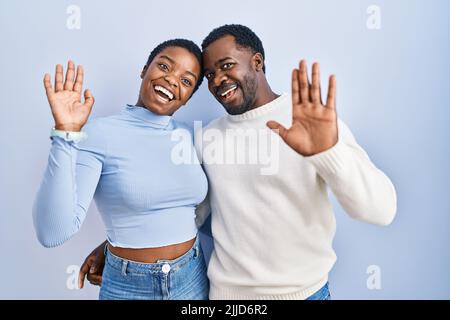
228, 91
168, 93
165, 91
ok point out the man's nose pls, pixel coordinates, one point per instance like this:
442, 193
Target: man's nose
220, 78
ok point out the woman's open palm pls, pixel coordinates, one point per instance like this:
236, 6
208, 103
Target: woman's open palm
69, 112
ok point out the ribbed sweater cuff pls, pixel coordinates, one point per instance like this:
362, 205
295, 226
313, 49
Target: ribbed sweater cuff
330, 161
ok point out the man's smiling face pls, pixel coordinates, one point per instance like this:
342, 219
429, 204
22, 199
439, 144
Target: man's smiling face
231, 75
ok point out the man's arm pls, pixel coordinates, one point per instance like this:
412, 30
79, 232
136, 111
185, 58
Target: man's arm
363, 190
93, 267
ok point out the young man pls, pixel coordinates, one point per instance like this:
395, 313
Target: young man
273, 231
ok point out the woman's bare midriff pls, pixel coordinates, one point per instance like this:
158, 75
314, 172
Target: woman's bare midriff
152, 255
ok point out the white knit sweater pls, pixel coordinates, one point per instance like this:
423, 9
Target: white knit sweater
273, 232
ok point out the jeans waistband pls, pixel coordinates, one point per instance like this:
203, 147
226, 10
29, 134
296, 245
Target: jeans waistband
161, 266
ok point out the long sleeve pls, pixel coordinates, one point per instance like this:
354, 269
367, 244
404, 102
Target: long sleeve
68, 186
363, 190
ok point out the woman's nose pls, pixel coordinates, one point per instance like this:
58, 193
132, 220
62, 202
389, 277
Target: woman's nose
171, 80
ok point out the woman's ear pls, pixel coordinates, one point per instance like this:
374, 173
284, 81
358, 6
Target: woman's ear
258, 61
144, 70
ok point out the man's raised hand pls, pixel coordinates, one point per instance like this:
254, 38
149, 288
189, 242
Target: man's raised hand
314, 124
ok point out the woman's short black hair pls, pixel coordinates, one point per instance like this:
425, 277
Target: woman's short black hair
244, 37
182, 43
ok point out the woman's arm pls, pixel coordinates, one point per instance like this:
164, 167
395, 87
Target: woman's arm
73, 168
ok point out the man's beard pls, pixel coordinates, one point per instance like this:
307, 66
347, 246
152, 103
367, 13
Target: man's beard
248, 90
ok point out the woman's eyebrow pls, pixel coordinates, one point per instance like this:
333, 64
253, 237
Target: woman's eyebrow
168, 58
192, 74
173, 62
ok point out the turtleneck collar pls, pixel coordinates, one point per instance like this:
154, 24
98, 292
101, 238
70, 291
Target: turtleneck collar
260, 111
148, 117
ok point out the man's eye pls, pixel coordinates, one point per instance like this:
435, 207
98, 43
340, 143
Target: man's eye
209, 75
187, 82
163, 66
227, 66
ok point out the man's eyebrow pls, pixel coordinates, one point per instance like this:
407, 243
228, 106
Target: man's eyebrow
218, 63
222, 60
173, 61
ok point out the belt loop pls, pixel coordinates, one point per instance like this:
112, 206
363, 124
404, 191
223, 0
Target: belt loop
124, 267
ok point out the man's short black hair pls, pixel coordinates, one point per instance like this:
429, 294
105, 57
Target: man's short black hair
182, 43
244, 37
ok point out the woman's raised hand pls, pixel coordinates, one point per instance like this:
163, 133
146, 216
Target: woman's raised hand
69, 112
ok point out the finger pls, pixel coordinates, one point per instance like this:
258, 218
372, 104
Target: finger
331, 98
95, 279
88, 98
315, 85
93, 268
278, 128
82, 274
78, 86
59, 78
48, 85
70, 74
296, 99
304, 83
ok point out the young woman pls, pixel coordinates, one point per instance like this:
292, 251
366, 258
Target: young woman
147, 202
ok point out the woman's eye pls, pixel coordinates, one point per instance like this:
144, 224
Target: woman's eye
187, 82
163, 66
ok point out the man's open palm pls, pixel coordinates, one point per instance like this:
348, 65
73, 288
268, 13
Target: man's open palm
314, 125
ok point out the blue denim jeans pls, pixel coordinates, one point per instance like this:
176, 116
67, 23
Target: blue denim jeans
183, 278
322, 294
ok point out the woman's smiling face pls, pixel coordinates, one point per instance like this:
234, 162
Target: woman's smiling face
169, 80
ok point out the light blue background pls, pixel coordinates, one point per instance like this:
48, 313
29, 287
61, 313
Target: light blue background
393, 91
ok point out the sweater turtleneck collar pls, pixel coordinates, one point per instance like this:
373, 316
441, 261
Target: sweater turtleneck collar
260, 111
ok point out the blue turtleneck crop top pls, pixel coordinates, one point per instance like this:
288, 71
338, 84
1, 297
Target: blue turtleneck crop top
145, 199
